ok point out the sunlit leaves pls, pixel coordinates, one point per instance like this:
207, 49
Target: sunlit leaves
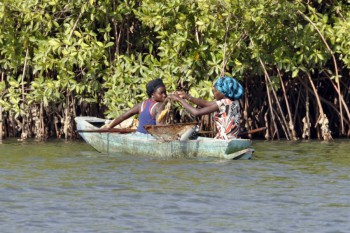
63, 47
112, 48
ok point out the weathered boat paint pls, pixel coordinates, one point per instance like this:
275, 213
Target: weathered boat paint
142, 144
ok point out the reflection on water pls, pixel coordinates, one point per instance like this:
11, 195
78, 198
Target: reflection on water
61, 186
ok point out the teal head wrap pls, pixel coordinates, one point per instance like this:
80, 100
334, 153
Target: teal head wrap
229, 87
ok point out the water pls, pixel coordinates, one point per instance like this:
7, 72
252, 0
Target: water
61, 186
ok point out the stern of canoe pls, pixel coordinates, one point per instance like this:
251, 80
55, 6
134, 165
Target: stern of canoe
97, 140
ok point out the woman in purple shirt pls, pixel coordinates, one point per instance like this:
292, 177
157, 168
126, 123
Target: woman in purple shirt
149, 109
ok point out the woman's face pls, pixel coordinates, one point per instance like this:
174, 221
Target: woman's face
217, 94
159, 94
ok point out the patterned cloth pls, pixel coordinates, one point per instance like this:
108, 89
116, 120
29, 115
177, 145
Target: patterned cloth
227, 119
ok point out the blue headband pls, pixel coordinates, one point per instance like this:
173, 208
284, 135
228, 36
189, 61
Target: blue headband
229, 87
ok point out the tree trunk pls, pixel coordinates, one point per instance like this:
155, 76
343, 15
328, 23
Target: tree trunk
290, 124
306, 119
322, 119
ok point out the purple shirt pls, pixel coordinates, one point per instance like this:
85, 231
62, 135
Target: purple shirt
146, 117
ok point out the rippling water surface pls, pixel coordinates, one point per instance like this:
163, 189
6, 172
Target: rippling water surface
60, 186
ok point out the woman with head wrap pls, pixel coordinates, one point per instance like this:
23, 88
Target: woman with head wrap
227, 91
149, 109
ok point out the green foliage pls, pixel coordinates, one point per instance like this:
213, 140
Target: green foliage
109, 50
339, 36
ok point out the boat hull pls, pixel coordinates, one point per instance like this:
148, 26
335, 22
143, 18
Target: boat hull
140, 144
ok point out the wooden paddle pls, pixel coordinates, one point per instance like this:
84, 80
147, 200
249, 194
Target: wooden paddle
252, 131
240, 134
113, 130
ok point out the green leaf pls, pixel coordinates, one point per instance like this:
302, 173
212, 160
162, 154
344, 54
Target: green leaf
130, 104
54, 42
99, 43
77, 34
200, 23
109, 44
320, 56
178, 26
295, 73
194, 93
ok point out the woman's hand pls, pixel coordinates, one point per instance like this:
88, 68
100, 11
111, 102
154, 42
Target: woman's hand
181, 94
174, 97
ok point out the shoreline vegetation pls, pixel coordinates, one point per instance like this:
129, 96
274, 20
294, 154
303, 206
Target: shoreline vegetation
61, 59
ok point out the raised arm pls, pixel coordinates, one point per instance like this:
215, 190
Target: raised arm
209, 107
198, 101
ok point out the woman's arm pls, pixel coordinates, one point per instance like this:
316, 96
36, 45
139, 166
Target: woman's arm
131, 112
209, 108
198, 101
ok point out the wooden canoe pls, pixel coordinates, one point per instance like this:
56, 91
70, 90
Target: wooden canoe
146, 145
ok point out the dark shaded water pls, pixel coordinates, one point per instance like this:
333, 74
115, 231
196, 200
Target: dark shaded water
62, 186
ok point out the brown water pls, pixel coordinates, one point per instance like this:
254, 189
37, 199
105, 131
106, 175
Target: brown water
60, 186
